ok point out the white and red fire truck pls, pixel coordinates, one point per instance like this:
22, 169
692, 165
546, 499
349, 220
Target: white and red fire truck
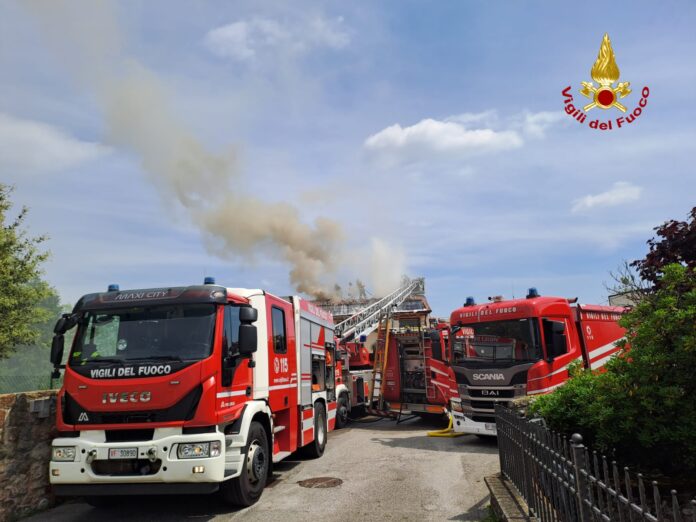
358, 379
189, 390
508, 349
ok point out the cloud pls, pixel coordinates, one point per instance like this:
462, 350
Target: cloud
621, 192
430, 139
245, 40
27, 145
535, 124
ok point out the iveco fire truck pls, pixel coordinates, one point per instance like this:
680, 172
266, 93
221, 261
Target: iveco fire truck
508, 349
189, 390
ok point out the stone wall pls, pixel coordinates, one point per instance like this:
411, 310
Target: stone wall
27, 426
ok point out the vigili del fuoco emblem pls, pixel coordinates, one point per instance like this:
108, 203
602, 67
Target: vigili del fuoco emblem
605, 92
605, 72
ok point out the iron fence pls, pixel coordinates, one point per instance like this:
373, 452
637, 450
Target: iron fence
561, 480
27, 383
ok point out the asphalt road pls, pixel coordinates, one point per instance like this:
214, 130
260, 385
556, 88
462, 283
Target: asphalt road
389, 472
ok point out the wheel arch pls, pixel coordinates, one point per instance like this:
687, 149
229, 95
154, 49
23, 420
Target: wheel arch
265, 421
255, 410
342, 389
322, 401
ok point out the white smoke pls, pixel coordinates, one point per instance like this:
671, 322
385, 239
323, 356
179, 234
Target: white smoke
387, 266
140, 120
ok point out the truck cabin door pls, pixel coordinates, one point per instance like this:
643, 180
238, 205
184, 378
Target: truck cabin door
331, 375
559, 348
282, 367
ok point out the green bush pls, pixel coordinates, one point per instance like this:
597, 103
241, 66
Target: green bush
643, 407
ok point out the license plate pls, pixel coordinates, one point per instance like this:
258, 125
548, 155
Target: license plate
490, 427
123, 453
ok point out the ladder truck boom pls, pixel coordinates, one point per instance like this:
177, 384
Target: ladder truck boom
355, 388
367, 319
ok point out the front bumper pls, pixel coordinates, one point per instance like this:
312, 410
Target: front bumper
463, 424
160, 463
186, 488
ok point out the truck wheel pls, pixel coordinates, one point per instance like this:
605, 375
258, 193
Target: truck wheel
246, 489
342, 411
315, 449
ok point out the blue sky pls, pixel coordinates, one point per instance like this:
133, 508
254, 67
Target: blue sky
434, 127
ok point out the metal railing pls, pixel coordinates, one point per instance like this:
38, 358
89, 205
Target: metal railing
560, 480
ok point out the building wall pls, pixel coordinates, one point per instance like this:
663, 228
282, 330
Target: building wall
27, 426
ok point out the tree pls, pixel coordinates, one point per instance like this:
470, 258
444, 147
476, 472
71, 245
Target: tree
642, 406
677, 245
21, 287
28, 367
627, 283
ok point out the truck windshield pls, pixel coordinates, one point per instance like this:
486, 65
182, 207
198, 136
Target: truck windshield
501, 341
172, 332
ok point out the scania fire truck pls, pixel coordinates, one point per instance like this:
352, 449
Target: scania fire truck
189, 390
508, 349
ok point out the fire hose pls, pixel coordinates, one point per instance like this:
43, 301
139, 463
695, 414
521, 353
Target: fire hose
447, 432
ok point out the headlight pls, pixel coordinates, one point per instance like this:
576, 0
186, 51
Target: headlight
63, 454
198, 450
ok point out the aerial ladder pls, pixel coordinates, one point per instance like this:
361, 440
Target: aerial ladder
378, 316
366, 320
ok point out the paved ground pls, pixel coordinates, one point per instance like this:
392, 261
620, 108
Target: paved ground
389, 472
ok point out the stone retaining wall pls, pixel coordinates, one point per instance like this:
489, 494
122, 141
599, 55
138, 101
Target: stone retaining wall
27, 426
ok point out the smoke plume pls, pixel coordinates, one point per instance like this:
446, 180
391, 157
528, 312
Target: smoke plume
140, 120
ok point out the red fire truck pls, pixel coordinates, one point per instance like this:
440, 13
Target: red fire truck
418, 378
189, 390
353, 381
508, 349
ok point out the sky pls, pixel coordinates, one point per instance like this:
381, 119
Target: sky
385, 137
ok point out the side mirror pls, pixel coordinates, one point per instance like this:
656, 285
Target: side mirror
65, 323
247, 339
57, 347
247, 314
60, 326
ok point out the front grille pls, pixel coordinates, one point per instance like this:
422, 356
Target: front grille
487, 405
195, 430
483, 418
491, 393
185, 409
129, 435
120, 468
126, 418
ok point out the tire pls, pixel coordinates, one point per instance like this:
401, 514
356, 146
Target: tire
102, 501
246, 489
315, 449
357, 411
342, 411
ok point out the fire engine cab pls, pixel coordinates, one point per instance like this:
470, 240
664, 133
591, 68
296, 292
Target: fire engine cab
189, 390
507, 349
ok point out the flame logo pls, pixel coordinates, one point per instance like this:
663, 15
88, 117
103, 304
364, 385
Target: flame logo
605, 71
